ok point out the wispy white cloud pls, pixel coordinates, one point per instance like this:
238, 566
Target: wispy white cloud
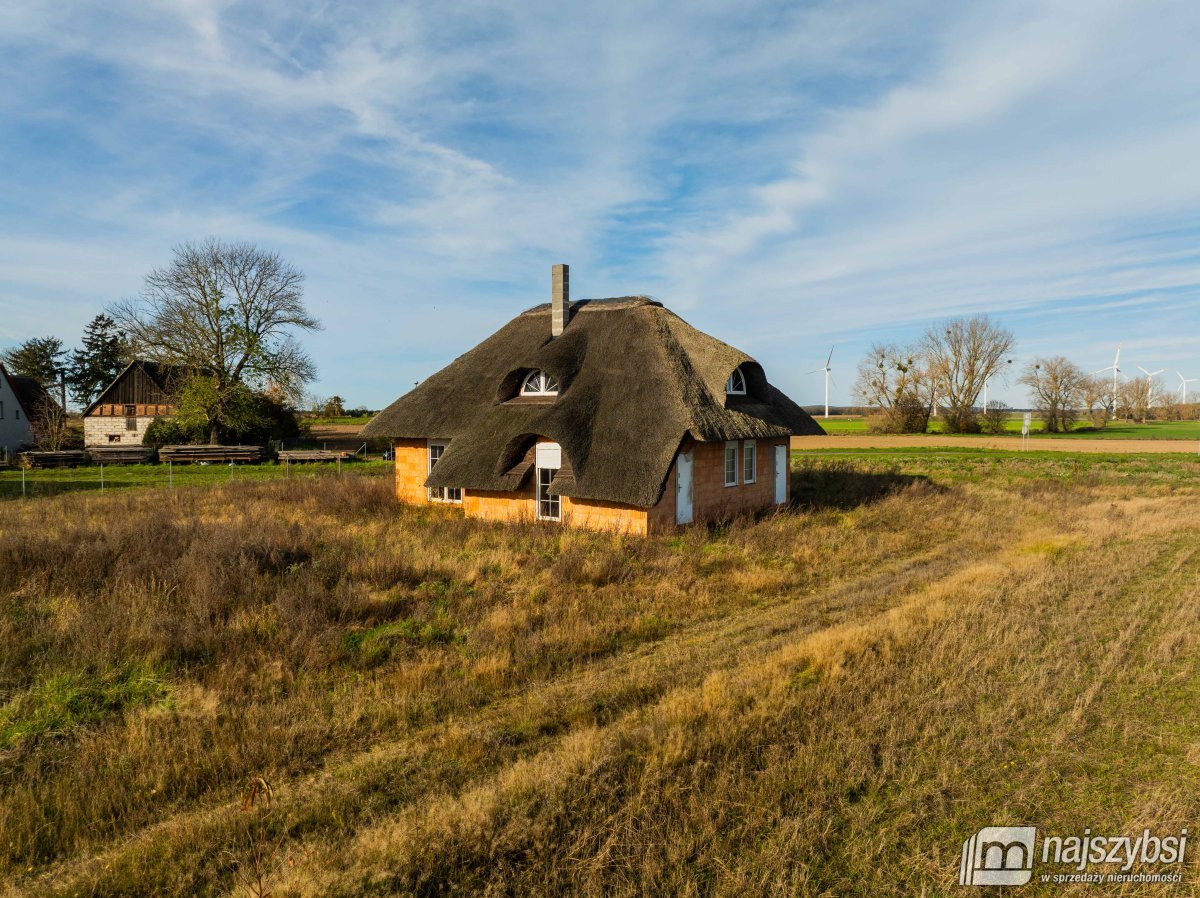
784, 175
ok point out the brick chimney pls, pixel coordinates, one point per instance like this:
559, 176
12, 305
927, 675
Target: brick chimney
560, 297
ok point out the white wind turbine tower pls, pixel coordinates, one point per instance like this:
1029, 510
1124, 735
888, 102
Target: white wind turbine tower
1183, 382
826, 369
1115, 368
1150, 375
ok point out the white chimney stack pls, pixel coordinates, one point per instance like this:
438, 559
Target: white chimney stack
560, 298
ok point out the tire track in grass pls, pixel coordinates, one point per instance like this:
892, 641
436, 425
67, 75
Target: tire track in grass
635, 678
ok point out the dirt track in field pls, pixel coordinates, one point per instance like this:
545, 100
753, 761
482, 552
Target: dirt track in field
937, 441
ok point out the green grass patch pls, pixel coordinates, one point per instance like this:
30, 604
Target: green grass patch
343, 419
62, 703
1117, 430
378, 644
52, 481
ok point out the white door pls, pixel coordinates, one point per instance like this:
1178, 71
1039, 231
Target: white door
781, 472
683, 488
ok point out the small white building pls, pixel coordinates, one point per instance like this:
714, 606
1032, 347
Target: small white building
20, 399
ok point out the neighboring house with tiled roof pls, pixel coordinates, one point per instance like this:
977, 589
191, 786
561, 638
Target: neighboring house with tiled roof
601, 413
21, 401
121, 413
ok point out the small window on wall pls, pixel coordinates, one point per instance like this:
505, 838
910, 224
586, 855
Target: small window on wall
750, 462
17, 414
731, 467
130, 411
114, 438
549, 508
131, 423
1, 411
441, 493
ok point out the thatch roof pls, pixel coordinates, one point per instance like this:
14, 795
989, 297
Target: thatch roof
634, 380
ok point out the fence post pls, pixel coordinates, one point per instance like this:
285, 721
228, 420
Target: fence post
22, 483
339, 466
101, 476
170, 474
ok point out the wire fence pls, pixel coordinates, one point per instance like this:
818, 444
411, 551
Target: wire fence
34, 483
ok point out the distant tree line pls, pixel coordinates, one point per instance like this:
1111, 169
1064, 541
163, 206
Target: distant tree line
945, 373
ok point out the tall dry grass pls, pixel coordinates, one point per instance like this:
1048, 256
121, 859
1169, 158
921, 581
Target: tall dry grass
821, 702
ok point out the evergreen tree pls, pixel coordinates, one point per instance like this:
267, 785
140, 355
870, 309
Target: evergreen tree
96, 364
39, 357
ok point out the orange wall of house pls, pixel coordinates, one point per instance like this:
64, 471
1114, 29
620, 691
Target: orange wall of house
710, 497
412, 467
520, 506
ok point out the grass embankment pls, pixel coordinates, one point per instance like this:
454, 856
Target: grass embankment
1119, 430
827, 701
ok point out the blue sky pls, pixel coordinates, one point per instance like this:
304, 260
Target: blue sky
785, 176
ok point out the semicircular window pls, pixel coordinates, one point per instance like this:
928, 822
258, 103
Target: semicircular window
539, 383
736, 385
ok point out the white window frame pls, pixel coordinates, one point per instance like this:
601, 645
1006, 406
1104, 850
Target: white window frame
731, 446
541, 493
539, 383
750, 462
736, 385
450, 494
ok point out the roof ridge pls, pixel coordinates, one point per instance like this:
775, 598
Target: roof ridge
601, 304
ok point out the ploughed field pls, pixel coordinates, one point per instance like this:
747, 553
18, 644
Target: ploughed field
827, 701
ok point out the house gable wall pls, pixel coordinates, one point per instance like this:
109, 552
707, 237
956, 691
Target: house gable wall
15, 429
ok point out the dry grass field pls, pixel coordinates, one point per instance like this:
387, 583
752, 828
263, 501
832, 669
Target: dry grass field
826, 701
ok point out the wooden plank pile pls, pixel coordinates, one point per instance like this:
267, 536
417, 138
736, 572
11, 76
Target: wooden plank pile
188, 455
120, 455
62, 459
307, 455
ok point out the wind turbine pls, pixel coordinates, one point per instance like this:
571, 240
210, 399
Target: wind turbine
826, 369
1183, 382
1115, 368
1150, 375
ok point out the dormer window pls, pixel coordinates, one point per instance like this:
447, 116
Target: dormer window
539, 383
736, 385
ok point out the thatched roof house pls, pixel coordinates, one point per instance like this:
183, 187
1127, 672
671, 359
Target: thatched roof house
610, 392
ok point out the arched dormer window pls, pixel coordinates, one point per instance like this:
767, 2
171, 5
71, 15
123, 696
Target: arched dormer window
539, 383
736, 385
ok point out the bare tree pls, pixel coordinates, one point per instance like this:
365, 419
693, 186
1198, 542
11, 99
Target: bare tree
1138, 398
228, 311
1057, 385
962, 354
1097, 399
894, 381
48, 420
995, 416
